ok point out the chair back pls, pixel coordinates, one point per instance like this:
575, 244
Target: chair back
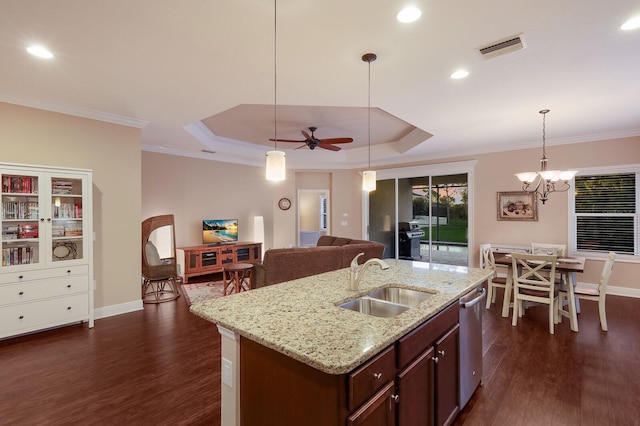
534, 273
606, 273
487, 260
549, 249
158, 248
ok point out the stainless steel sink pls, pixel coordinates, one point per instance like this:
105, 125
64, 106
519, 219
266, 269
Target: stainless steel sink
403, 296
375, 307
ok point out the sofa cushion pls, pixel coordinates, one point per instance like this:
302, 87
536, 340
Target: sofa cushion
325, 240
288, 264
341, 241
370, 249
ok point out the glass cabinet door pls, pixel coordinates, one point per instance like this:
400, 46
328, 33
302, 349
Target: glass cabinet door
21, 213
67, 226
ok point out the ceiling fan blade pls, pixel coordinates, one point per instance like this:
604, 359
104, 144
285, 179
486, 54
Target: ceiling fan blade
287, 140
301, 146
328, 146
306, 135
337, 140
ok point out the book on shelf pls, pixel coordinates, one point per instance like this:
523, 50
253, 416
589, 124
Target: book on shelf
19, 184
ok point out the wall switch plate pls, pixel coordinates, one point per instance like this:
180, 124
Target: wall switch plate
227, 372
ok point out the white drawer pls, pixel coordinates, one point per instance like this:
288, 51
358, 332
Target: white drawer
25, 317
43, 289
15, 277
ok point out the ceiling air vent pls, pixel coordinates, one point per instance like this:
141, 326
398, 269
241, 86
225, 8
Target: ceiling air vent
502, 47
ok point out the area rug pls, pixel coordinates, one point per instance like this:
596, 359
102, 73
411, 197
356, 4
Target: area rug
199, 292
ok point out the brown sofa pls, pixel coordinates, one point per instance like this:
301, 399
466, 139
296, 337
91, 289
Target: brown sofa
331, 253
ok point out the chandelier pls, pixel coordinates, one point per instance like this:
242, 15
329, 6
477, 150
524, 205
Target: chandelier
545, 181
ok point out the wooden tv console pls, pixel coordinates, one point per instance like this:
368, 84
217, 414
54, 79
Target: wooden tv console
209, 259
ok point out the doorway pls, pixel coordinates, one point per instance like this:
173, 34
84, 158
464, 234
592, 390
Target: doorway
313, 216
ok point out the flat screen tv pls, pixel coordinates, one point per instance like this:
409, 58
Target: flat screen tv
219, 231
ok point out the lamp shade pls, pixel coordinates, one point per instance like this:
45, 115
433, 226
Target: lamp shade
369, 180
527, 176
276, 166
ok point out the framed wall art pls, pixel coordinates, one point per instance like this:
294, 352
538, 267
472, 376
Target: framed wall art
517, 206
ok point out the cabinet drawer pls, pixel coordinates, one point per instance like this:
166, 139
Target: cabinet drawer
366, 380
43, 289
414, 343
14, 277
25, 317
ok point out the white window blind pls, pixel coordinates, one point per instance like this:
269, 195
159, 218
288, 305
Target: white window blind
605, 210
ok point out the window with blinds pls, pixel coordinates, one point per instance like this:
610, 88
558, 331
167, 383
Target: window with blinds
605, 210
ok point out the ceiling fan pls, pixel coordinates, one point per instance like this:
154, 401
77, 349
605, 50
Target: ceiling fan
312, 142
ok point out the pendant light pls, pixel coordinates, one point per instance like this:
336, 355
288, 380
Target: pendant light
275, 166
545, 181
369, 176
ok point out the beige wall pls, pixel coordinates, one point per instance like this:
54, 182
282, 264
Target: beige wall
130, 185
32, 136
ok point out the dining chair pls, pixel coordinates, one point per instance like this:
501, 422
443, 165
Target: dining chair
587, 292
534, 281
488, 262
549, 249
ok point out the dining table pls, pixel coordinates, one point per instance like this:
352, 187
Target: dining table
569, 265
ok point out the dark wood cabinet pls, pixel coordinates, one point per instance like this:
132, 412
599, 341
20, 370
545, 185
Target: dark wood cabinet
446, 377
202, 260
412, 382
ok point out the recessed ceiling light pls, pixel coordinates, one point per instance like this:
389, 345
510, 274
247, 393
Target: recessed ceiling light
459, 74
631, 24
409, 14
40, 51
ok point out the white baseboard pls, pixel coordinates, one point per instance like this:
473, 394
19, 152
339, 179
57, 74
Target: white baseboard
122, 308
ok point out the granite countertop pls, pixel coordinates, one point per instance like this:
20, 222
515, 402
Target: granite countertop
301, 319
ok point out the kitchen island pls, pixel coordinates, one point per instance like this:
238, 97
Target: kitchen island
300, 321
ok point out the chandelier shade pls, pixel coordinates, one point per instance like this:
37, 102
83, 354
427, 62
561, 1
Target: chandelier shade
369, 180
545, 181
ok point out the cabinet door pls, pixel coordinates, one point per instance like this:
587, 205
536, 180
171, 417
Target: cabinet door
23, 210
380, 410
446, 377
67, 225
415, 391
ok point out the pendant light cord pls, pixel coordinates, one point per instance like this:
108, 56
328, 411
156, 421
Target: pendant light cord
275, 75
369, 114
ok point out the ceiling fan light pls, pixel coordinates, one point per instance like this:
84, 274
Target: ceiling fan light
369, 180
276, 170
527, 176
631, 24
40, 51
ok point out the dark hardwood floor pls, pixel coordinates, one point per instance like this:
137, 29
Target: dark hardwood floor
161, 366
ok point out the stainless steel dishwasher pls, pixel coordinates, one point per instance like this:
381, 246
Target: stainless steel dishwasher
471, 307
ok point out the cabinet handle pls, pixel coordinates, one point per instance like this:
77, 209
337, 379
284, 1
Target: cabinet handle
435, 359
20, 277
68, 308
395, 398
377, 376
42, 219
68, 271
441, 353
48, 219
21, 317
21, 293
68, 285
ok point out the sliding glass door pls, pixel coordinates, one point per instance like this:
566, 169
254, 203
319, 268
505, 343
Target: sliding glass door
422, 214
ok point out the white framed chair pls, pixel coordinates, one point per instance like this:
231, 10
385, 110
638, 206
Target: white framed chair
534, 281
487, 261
598, 294
549, 249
